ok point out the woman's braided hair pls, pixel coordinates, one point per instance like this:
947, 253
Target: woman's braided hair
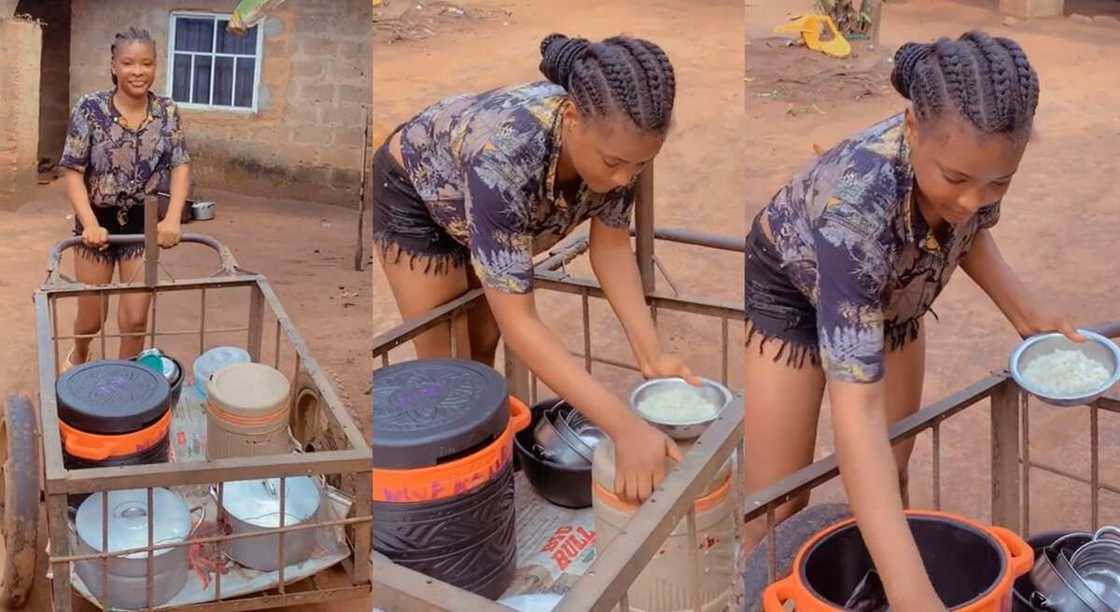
987, 80
624, 75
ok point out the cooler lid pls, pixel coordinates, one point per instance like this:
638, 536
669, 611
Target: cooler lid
429, 411
249, 389
112, 397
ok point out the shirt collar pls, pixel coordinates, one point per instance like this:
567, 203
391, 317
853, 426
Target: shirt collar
155, 111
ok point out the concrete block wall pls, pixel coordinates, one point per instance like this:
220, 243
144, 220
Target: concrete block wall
19, 112
305, 140
1027, 9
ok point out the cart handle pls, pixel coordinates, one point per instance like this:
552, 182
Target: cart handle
229, 264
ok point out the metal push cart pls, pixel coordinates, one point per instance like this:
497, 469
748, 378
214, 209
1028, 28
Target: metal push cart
34, 474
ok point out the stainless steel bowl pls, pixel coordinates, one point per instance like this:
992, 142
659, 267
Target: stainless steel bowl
708, 389
553, 445
1098, 564
1096, 347
585, 429
202, 211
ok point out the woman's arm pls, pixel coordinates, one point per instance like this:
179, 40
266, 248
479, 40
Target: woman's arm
640, 450
870, 477
614, 265
180, 184
79, 197
985, 265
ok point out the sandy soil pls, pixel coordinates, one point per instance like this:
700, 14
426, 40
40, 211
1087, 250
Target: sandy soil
699, 179
1058, 219
305, 250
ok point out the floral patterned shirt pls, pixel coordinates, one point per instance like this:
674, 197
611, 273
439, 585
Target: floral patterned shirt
120, 164
485, 166
852, 240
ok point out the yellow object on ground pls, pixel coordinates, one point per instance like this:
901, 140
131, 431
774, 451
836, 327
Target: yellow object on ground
810, 28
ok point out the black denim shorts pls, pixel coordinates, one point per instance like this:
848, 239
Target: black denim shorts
402, 224
778, 311
110, 218
775, 309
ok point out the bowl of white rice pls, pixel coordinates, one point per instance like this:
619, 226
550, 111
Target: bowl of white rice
1062, 372
678, 408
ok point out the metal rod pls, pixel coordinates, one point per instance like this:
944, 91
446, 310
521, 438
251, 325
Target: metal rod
724, 346
936, 465
151, 246
643, 227
155, 298
280, 539
694, 558
276, 357
162, 334
54, 334
1057, 471
220, 521
624, 602
585, 301
608, 361
1025, 415
212, 539
384, 360
202, 322
104, 303
1095, 466
104, 598
685, 236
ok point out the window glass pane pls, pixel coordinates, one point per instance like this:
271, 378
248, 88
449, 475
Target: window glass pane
181, 78
228, 42
223, 81
202, 79
244, 94
194, 34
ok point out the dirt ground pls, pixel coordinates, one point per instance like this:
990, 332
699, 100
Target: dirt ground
304, 249
699, 178
1058, 219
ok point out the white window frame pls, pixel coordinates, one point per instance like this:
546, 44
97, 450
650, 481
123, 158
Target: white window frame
213, 67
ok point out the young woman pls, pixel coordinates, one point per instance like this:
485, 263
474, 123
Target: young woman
845, 262
122, 144
495, 178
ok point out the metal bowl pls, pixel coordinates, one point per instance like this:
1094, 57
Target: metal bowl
585, 429
551, 444
1098, 564
708, 389
1096, 347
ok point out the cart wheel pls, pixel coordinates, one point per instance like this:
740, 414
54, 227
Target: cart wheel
20, 463
306, 419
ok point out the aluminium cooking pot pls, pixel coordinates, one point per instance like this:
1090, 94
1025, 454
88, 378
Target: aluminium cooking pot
253, 506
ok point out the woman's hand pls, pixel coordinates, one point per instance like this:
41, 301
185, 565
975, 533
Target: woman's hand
1041, 320
168, 233
669, 365
639, 460
95, 237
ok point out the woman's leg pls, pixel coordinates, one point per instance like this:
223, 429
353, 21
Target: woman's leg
905, 373
484, 330
783, 404
418, 288
91, 308
132, 310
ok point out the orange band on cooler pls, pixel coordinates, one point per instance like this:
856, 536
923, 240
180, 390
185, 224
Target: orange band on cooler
97, 447
702, 504
454, 477
248, 421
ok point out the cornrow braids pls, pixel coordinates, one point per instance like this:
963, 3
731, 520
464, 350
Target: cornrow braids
621, 74
986, 80
131, 35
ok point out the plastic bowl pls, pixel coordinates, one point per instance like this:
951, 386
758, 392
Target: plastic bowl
1096, 347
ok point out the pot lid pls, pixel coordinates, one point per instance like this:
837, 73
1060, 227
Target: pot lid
217, 358
128, 520
249, 388
112, 397
425, 411
257, 502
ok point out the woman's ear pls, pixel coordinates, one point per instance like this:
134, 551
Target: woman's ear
911, 126
571, 114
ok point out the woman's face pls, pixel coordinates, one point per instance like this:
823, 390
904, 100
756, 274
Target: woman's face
960, 170
607, 153
134, 65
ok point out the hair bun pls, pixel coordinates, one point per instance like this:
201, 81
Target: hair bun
558, 54
905, 62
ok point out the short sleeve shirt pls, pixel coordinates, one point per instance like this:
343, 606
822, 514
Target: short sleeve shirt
485, 166
852, 240
120, 164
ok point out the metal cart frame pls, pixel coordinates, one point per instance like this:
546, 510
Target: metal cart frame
335, 446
